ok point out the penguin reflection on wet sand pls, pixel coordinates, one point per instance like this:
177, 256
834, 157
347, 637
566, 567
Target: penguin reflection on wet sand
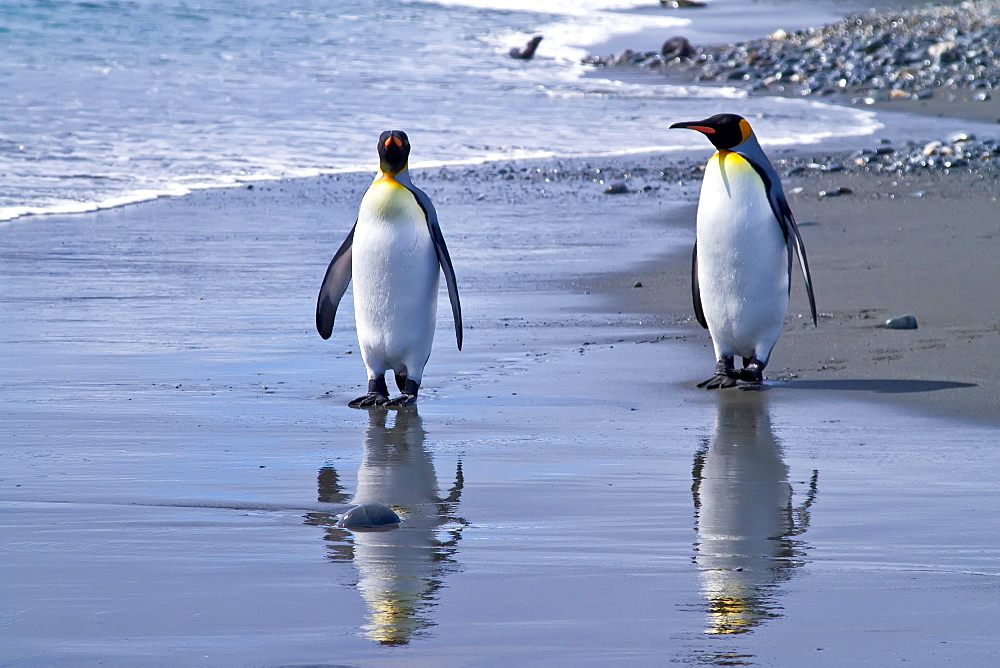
742, 260
401, 569
746, 523
395, 254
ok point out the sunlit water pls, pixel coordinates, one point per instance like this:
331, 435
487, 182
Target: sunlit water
110, 101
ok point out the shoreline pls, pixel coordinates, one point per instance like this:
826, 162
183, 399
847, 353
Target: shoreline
848, 353
946, 103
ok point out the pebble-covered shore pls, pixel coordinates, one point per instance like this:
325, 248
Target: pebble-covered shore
912, 54
960, 153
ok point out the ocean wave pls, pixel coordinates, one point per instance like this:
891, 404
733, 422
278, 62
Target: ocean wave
104, 109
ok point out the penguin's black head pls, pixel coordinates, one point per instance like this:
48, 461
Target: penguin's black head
725, 131
393, 151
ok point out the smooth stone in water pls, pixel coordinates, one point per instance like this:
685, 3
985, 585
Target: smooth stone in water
618, 188
369, 516
901, 322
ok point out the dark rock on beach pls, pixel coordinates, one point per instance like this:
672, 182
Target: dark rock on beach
901, 322
874, 56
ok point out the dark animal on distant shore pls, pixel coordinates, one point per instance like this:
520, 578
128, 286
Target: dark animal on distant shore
682, 4
528, 52
679, 48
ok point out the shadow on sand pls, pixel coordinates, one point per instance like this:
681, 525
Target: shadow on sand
877, 385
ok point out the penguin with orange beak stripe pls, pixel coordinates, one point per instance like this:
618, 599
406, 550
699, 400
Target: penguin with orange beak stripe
742, 260
395, 254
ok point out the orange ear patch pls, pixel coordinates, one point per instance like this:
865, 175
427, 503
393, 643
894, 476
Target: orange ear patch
745, 130
393, 140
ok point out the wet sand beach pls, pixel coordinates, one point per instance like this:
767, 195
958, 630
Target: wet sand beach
177, 445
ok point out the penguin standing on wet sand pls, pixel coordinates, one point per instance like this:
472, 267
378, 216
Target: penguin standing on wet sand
742, 261
394, 254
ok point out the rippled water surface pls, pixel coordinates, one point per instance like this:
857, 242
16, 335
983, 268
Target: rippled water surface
112, 101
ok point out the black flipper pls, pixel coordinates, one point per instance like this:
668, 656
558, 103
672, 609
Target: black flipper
338, 276
444, 259
800, 250
699, 313
781, 210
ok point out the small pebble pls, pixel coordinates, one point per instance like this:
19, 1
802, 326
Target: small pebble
617, 188
638, 284
901, 322
931, 148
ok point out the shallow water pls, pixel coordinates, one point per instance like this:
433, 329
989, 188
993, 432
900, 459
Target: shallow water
174, 430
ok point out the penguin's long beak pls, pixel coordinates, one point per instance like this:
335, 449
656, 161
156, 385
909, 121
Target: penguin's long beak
693, 125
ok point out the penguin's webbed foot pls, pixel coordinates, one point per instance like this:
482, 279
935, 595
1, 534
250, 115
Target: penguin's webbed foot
377, 395
753, 372
725, 376
717, 382
409, 387
401, 401
369, 400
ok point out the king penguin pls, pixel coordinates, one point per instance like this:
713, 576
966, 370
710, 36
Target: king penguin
742, 260
395, 254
